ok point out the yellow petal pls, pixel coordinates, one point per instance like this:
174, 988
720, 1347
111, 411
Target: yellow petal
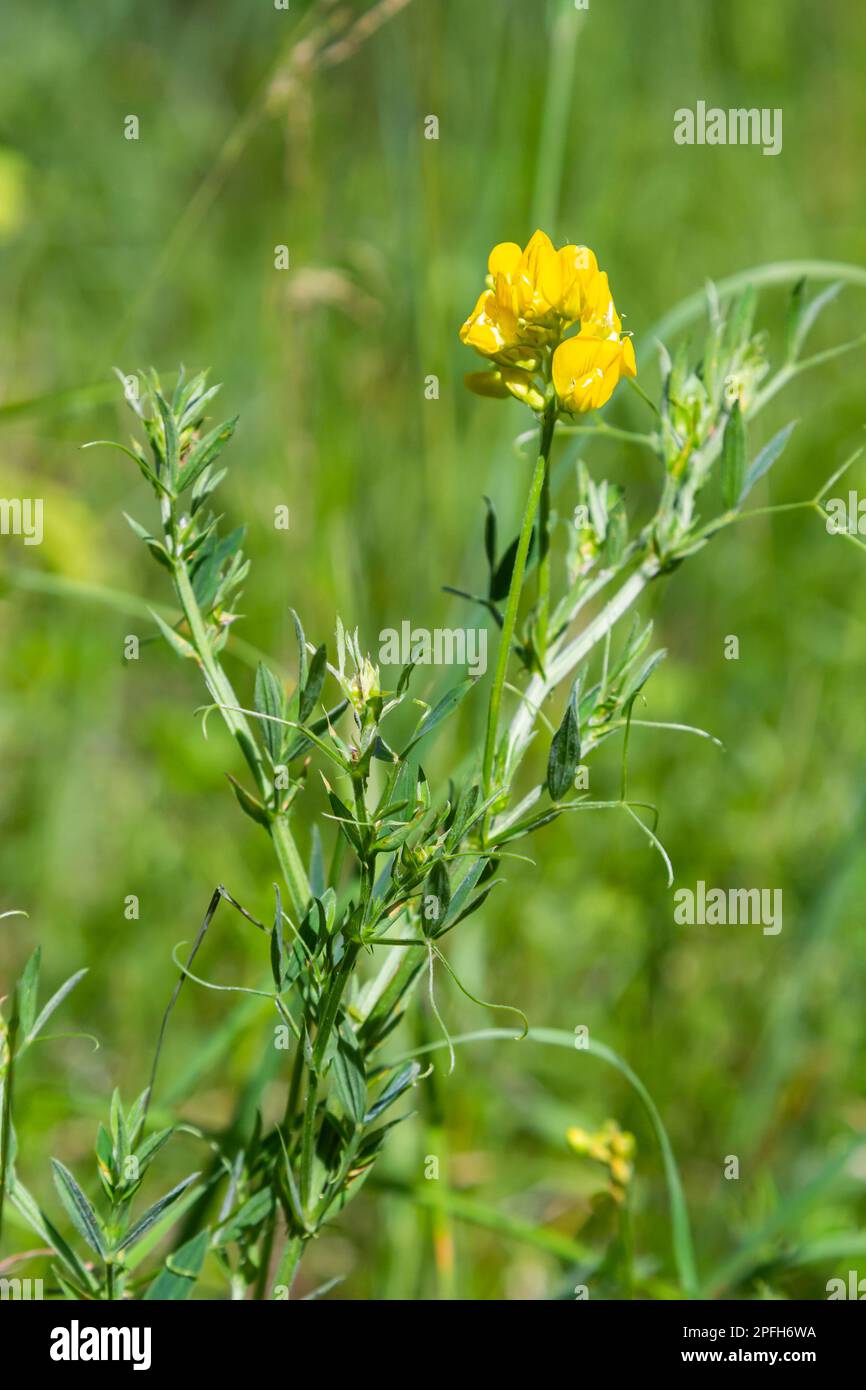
586, 371
522, 387
538, 245
578, 268
598, 308
503, 258
490, 327
537, 260
487, 384
506, 295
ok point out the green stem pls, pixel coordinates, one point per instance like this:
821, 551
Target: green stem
509, 622
543, 610
289, 1261
286, 850
329, 1013
308, 1139
6, 1112
261, 1283
295, 1083
332, 1002
566, 658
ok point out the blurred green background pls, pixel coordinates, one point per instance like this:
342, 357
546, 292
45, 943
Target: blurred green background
261, 127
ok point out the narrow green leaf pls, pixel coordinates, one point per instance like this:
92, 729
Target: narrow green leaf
733, 457
35, 1217
490, 536
313, 687
440, 711
395, 1088
28, 987
174, 640
793, 317
208, 565
564, 754
170, 435
347, 821
437, 886
463, 812
151, 1147
152, 1215
319, 726
317, 863
136, 527
765, 459
54, 1002
809, 314
176, 1281
206, 483
250, 1215
302, 649
78, 1208
104, 1147
461, 893
248, 803
473, 906
740, 318
500, 580
269, 700
277, 943
640, 675
203, 453
350, 1080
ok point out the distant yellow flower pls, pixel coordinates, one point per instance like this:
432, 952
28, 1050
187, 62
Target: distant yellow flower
534, 296
610, 1145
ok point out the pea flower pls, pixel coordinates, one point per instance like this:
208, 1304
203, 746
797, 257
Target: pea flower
533, 296
587, 368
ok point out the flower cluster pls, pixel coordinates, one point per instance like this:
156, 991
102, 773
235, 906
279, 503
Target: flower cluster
612, 1146
534, 296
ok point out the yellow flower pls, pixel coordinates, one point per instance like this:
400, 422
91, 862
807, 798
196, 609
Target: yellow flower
586, 369
569, 282
611, 1146
541, 286
491, 327
534, 295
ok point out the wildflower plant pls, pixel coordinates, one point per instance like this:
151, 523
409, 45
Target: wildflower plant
366, 900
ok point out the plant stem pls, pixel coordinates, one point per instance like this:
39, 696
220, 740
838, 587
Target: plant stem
509, 621
542, 621
265, 1257
332, 1002
308, 1139
289, 1261
11, 1041
566, 658
286, 850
